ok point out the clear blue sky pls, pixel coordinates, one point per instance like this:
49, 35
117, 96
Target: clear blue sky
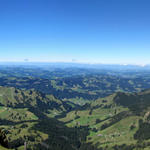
96, 31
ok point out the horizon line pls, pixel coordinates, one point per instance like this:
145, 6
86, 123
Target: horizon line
75, 62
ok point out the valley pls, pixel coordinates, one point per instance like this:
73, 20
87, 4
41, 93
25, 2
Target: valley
84, 111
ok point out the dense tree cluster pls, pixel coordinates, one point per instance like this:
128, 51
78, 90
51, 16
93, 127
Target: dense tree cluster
3, 139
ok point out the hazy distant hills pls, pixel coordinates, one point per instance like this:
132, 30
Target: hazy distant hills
76, 65
75, 84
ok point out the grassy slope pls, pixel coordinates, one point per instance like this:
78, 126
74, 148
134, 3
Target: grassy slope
28, 115
2, 148
104, 110
109, 121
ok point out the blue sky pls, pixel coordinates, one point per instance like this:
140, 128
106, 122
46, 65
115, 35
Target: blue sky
93, 31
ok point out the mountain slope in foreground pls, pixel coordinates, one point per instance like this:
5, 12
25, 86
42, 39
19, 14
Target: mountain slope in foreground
29, 116
119, 121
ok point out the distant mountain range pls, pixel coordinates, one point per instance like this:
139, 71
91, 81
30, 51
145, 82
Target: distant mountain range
78, 65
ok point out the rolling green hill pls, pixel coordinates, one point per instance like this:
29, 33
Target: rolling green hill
12, 97
28, 116
119, 121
